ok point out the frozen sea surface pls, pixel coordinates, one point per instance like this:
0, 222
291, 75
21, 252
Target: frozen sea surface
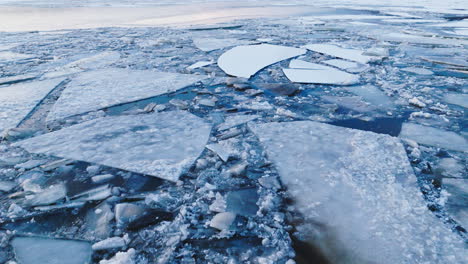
175, 135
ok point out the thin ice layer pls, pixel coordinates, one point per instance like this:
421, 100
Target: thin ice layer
34, 250
373, 95
307, 72
17, 101
360, 189
160, 144
210, 44
339, 52
245, 61
91, 91
434, 137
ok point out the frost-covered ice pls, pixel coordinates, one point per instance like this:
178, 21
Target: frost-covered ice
360, 187
306, 72
34, 250
210, 44
160, 144
457, 99
434, 137
99, 89
18, 100
245, 61
339, 52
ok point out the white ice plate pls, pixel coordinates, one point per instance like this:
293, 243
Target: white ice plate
434, 137
245, 61
360, 189
18, 100
339, 52
160, 144
416, 70
94, 90
6, 56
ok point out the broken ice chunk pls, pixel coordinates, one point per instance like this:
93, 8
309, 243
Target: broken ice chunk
158, 144
457, 99
109, 243
223, 221
34, 250
235, 120
210, 44
222, 151
47, 196
199, 64
306, 72
6, 186
17, 78
346, 65
102, 178
127, 212
433, 137
360, 187
95, 194
18, 100
373, 95
121, 258
99, 89
416, 70
339, 52
245, 61
351, 102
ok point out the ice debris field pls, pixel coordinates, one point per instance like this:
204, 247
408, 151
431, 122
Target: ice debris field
334, 137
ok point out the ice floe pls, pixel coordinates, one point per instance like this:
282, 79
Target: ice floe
245, 61
210, 44
346, 65
235, 120
90, 91
33, 250
339, 52
417, 70
306, 72
160, 144
434, 137
457, 99
360, 189
373, 95
199, 64
18, 100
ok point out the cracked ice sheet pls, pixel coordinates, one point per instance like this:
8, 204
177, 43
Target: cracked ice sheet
162, 144
339, 52
91, 91
307, 72
210, 44
434, 137
362, 186
6, 56
18, 100
245, 61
